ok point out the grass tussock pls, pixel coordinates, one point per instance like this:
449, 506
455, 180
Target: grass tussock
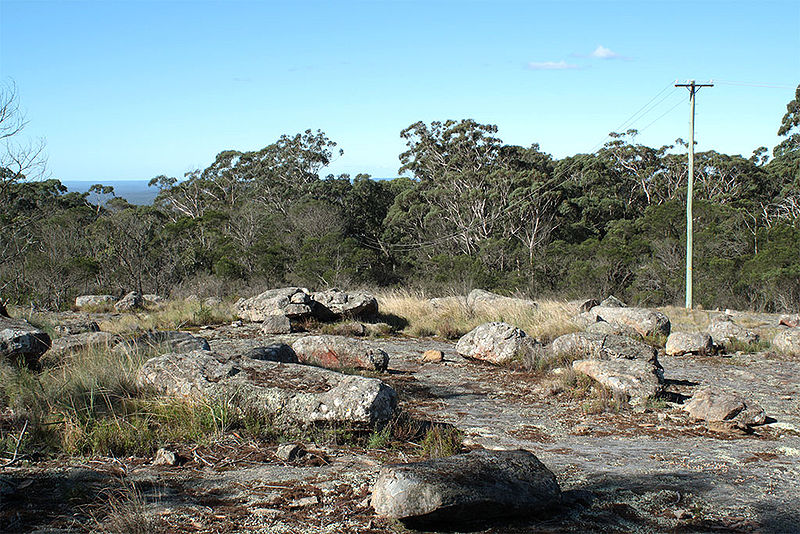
174, 315
430, 440
413, 315
594, 398
738, 345
126, 510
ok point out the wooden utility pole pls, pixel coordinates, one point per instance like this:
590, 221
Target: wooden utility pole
693, 88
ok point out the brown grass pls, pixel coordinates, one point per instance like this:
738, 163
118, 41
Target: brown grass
453, 319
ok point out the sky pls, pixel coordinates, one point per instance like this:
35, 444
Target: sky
130, 90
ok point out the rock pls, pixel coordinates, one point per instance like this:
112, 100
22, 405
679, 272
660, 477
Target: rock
292, 302
585, 320
337, 352
378, 329
616, 329
439, 303
165, 457
22, 342
212, 301
151, 299
585, 345
277, 352
496, 343
164, 341
131, 301
341, 304
639, 380
65, 345
276, 324
478, 485
479, 298
714, 404
298, 393
290, 451
192, 298
788, 341
94, 301
432, 356
68, 328
789, 320
303, 502
588, 305
679, 343
723, 330
351, 328
645, 321
613, 302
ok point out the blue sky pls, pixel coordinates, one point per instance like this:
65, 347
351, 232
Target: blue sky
130, 90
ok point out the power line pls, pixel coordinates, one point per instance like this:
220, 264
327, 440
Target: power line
754, 84
631, 118
662, 115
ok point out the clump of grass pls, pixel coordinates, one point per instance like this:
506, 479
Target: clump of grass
441, 441
738, 345
658, 341
380, 438
455, 317
174, 315
126, 510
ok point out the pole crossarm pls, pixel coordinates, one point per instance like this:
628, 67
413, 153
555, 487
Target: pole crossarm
693, 88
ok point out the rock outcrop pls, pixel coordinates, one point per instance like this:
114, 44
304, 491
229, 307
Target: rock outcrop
276, 324
496, 343
586, 345
277, 352
615, 329
479, 485
480, 298
339, 352
645, 321
66, 345
723, 330
292, 302
638, 380
164, 341
343, 304
21, 342
94, 301
714, 404
293, 392
130, 302
679, 343
788, 341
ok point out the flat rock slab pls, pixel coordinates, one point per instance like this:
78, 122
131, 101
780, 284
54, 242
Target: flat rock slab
602, 327
165, 341
94, 300
475, 486
496, 343
298, 393
637, 379
340, 303
714, 404
21, 341
480, 298
588, 345
339, 352
276, 352
71, 344
679, 343
645, 321
788, 341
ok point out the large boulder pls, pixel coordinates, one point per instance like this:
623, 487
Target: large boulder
714, 404
94, 301
151, 299
645, 321
723, 330
615, 329
164, 341
788, 341
130, 302
789, 320
478, 485
292, 392
339, 352
22, 342
586, 345
612, 302
276, 324
292, 302
342, 304
70, 344
496, 343
276, 352
679, 343
482, 299
639, 380
80, 325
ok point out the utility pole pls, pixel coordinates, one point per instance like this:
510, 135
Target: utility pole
693, 88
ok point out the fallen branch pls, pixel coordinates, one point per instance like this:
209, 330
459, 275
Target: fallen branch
15, 457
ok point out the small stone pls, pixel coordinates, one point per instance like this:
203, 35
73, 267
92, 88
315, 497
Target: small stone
432, 356
717, 405
304, 501
290, 451
679, 343
165, 457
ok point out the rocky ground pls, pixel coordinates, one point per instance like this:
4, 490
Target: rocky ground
651, 470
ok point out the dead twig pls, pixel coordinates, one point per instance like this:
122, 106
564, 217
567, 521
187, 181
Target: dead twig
15, 457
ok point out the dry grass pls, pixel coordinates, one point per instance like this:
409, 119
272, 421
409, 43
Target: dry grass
414, 316
174, 315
